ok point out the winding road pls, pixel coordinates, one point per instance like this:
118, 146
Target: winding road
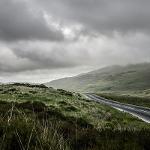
138, 111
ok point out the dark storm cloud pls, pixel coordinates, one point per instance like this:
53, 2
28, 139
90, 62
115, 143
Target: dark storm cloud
20, 21
38, 55
56, 58
54, 35
24, 20
104, 16
90, 52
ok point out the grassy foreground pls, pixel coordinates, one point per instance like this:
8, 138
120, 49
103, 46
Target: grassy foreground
34, 117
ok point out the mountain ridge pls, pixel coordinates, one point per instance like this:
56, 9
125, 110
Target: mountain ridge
129, 77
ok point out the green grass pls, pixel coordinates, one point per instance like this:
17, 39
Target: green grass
70, 104
37, 117
35, 126
139, 101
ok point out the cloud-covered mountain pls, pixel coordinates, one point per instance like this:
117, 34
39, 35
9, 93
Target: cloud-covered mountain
114, 78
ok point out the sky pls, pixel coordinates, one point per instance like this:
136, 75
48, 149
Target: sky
43, 40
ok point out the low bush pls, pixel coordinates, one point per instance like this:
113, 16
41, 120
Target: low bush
63, 92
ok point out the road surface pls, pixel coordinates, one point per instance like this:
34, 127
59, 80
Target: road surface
138, 111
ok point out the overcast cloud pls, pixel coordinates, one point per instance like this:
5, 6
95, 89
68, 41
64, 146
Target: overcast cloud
41, 40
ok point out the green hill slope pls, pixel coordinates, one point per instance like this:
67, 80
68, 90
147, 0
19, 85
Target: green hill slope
114, 78
35, 117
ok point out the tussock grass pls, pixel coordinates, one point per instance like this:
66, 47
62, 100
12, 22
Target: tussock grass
37, 118
23, 128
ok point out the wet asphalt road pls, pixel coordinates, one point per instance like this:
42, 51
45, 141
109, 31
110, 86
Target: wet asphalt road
138, 111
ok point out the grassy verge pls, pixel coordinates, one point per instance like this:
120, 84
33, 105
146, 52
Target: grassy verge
41, 118
140, 101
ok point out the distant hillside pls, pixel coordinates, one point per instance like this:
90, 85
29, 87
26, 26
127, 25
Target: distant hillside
114, 78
